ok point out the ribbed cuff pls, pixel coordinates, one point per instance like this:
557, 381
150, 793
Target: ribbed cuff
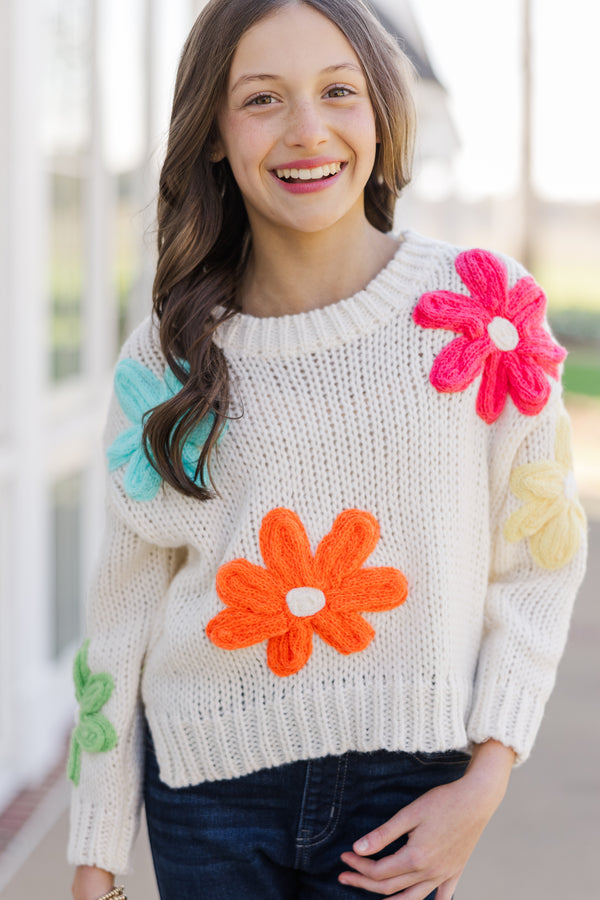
507, 713
101, 837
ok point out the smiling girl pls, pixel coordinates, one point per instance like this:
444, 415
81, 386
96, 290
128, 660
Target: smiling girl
343, 539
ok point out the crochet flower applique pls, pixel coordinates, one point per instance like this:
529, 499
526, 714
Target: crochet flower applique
298, 593
139, 390
550, 516
94, 733
501, 337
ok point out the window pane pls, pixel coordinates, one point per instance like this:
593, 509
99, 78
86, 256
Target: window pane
67, 520
67, 134
66, 275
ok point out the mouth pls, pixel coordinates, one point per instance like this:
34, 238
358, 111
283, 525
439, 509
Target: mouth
299, 176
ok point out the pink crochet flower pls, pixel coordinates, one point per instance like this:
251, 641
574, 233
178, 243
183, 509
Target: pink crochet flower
501, 337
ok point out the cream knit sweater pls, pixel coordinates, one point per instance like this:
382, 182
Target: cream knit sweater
464, 512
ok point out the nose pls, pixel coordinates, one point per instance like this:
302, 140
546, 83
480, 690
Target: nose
305, 125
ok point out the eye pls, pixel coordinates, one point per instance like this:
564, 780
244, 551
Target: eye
261, 100
339, 90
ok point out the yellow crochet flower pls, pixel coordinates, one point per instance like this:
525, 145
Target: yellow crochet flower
551, 516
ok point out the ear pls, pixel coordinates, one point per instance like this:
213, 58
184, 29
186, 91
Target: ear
218, 152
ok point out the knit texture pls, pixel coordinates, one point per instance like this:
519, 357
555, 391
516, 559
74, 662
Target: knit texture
551, 516
139, 390
502, 337
298, 594
93, 733
351, 587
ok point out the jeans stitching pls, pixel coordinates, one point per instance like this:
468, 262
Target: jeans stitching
303, 846
299, 842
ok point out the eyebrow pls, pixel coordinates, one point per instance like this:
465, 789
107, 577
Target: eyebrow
263, 76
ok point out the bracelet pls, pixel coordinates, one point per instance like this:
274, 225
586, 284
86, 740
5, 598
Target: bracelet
117, 893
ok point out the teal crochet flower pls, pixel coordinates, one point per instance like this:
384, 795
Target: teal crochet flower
138, 390
93, 733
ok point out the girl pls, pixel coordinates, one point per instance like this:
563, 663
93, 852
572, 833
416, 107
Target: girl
343, 539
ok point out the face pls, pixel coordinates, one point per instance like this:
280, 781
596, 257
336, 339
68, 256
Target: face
297, 125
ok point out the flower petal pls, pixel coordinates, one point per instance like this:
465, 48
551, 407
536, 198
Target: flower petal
459, 363
285, 548
531, 517
123, 447
245, 586
528, 385
543, 480
558, 541
81, 670
347, 632
98, 690
491, 397
138, 389
232, 629
376, 589
454, 312
539, 349
350, 542
526, 304
288, 653
141, 480
95, 733
486, 278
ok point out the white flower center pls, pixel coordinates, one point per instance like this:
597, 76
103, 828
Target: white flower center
503, 333
570, 486
305, 601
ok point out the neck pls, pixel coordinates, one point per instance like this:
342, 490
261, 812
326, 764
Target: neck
294, 273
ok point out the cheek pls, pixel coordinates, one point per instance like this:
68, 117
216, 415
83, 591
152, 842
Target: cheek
248, 143
361, 134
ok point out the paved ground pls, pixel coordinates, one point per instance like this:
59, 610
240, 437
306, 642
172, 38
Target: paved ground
543, 842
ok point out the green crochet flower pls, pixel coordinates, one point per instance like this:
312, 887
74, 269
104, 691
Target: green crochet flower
94, 732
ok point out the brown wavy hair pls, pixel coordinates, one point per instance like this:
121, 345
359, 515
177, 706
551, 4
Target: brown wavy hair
203, 231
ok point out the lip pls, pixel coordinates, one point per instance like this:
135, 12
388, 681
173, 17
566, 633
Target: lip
308, 187
312, 163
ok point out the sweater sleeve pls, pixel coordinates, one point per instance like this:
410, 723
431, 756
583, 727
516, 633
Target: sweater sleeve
136, 565
130, 583
537, 562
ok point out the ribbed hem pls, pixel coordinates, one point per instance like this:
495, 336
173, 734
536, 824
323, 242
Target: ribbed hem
396, 286
509, 714
327, 721
101, 837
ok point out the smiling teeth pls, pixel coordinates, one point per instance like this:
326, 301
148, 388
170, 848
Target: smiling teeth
310, 174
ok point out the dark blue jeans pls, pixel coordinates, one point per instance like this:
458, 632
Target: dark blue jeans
278, 834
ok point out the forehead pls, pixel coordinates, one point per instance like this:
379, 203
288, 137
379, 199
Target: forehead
293, 40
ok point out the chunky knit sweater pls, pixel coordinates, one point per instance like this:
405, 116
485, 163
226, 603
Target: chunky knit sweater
390, 562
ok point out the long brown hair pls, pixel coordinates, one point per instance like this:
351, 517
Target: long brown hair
203, 230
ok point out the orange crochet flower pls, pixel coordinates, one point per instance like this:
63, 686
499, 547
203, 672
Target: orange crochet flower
297, 593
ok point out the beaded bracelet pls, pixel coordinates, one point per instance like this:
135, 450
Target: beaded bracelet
117, 893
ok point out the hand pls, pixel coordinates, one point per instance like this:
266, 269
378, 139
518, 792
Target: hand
90, 883
443, 826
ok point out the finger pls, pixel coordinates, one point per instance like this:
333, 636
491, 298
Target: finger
385, 883
379, 838
418, 892
393, 866
415, 889
446, 890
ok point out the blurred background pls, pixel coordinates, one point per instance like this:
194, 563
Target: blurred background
508, 158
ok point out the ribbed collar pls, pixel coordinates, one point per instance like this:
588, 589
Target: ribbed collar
395, 286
